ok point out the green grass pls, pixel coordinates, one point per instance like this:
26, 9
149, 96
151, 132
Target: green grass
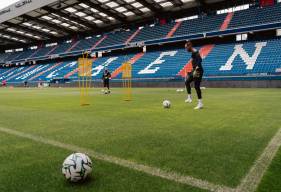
272, 179
31, 167
218, 144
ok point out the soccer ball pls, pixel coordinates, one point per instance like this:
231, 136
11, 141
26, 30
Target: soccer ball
107, 92
77, 167
166, 104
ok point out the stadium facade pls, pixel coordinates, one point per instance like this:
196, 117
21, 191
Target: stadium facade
239, 40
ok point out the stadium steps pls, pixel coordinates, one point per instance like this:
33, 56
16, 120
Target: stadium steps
14, 56
132, 61
133, 36
7, 71
98, 43
62, 48
4, 56
249, 17
200, 25
206, 50
116, 38
68, 75
256, 16
25, 54
226, 21
20, 73
45, 71
42, 52
73, 46
165, 64
86, 44
153, 32
52, 50
174, 29
34, 53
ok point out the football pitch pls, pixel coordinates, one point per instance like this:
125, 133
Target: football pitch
230, 145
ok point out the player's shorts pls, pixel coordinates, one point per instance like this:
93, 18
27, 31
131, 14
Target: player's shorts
105, 82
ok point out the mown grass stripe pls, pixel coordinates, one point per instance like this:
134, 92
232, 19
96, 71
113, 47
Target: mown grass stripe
252, 180
172, 176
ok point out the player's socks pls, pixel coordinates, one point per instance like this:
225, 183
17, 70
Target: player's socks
199, 105
189, 99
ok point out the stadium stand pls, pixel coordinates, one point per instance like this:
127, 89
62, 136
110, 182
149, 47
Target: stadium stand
62, 48
116, 38
256, 16
43, 51
154, 32
260, 58
202, 24
26, 54
253, 58
85, 44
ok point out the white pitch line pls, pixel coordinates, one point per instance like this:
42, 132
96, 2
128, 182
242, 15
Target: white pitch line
172, 176
252, 180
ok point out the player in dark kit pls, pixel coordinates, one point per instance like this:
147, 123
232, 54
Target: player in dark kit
195, 75
106, 77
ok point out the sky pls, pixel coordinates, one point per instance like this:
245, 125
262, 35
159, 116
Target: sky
6, 3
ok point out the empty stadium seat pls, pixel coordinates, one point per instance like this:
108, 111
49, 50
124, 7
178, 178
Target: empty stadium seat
154, 32
116, 38
85, 44
258, 58
249, 17
256, 16
200, 25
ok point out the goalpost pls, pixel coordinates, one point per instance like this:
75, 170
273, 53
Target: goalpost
85, 65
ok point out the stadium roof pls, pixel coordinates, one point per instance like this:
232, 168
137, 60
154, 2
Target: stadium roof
34, 21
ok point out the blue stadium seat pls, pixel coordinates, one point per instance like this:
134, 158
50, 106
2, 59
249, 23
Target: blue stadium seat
249, 17
85, 44
43, 52
244, 59
62, 47
116, 38
26, 54
202, 24
155, 32
256, 16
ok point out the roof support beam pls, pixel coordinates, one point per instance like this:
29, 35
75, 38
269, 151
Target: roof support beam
95, 15
129, 7
48, 24
71, 16
202, 3
18, 36
202, 6
98, 6
176, 3
10, 40
29, 30
153, 7
2, 39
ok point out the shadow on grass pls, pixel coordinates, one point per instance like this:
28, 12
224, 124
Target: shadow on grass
85, 183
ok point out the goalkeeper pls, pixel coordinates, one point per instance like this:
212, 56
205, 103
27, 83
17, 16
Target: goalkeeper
195, 75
